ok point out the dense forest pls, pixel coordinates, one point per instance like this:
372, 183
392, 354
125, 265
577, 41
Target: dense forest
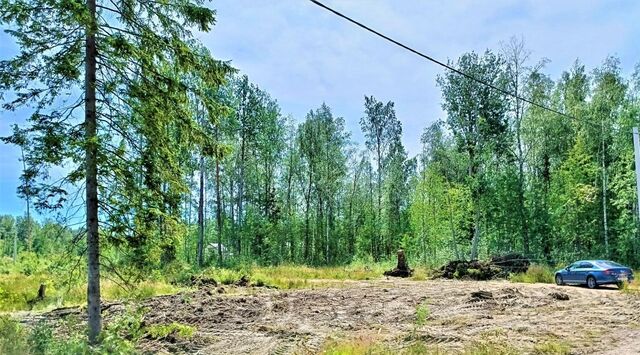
496, 175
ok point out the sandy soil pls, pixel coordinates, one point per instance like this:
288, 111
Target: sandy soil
266, 321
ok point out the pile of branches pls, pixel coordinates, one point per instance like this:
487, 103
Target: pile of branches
497, 267
512, 263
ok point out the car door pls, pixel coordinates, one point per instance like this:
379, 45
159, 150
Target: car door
584, 268
570, 276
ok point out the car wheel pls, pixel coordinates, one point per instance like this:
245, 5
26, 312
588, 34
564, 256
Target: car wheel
559, 281
591, 282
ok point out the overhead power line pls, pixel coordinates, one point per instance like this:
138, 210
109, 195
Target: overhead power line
429, 58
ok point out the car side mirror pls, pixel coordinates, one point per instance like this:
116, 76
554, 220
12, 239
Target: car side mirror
567, 268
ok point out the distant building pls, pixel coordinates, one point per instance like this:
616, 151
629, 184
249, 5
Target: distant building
213, 249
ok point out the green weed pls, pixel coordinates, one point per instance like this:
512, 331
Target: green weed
118, 337
535, 274
422, 314
12, 337
552, 347
18, 291
489, 348
371, 345
160, 331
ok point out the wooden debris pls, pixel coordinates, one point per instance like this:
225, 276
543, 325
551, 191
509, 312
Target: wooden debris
560, 296
481, 295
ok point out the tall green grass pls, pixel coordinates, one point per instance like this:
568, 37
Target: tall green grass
18, 292
535, 274
20, 281
295, 276
289, 276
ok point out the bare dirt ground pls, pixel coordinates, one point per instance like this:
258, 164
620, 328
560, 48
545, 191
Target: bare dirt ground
267, 321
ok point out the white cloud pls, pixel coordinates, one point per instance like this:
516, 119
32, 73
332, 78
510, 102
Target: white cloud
303, 55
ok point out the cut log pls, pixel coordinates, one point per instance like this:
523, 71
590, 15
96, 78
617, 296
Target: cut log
402, 269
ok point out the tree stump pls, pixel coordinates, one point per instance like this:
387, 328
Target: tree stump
402, 269
42, 292
40, 297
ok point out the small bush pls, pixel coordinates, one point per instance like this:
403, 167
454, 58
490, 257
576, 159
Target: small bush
40, 338
160, 331
535, 274
552, 347
12, 337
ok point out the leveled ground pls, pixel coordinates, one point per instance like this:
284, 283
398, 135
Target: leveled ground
391, 316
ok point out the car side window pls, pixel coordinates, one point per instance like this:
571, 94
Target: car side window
586, 266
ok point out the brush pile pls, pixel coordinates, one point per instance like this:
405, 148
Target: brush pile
497, 267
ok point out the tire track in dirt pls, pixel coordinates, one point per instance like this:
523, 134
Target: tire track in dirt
302, 321
265, 321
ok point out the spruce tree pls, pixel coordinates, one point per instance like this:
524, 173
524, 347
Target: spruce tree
109, 85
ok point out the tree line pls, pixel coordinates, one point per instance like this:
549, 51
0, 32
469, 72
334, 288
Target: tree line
496, 175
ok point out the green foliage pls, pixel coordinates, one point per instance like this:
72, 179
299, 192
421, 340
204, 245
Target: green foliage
535, 274
295, 276
552, 347
40, 338
489, 348
422, 314
119, 337
160, 331
364, 345
12, 337
18, 291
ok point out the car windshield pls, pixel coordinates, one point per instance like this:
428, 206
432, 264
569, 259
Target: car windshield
607, 263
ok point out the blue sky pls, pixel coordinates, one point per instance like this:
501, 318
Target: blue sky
303, 55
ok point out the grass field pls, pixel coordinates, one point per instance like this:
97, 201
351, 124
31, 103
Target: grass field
18, 289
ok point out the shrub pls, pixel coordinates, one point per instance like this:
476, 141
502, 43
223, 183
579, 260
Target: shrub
535, 274
12, 337
40, 338
552, 347
160, 331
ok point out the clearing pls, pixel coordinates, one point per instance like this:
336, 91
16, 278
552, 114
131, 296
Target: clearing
524, 318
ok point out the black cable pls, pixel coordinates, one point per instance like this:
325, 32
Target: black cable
468, 76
